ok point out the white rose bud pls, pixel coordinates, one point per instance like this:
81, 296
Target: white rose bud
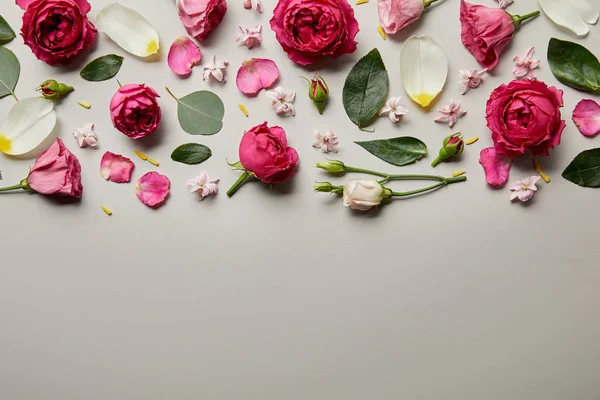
363, 194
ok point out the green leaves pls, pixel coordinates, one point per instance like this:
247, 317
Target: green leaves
366, 89
10, 69
200, 113
574, 65
398, 151
102, 68
584, 170
6, 32
191, 153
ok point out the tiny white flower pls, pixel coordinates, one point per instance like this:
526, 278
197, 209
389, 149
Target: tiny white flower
204, 185
394, 109
504, 3
450, 113
250, 37
86, 136
327, 142
524, 66
470, 79
255, 5
216, 70
281, 100
525, 189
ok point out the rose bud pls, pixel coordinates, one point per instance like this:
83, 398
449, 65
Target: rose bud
318, 91
332, 166
362, 195
53, 90
327, 187
453, 146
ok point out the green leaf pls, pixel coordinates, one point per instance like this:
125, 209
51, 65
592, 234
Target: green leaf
398, 151
6, 32
366, 89
10, 69
584, 170
102, 68
191, 153
200, 113
574, 65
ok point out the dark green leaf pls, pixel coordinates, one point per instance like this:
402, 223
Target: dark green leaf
6, 32
102, 68
191, 153
574, 65
584, 170
10, 69
366, 89
397, 151
201, 113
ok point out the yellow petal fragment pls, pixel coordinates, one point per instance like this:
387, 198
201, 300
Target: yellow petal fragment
359, 2
5, 144
153, 47
106, 210
84, 104
537, 167
458, 173
244, 110
472, 140
381, 32
153, 161
423, 99
141, 155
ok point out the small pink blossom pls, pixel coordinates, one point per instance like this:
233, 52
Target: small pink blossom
496, 167
471, 79
183, 55
282, 100
216, 70
86, 136
116, 168
394, 109
525, 189
524, 66
250, 37
586, 117
327, 142
450, 113
256, 74
255, 5
504, 3
152, 188
204, 185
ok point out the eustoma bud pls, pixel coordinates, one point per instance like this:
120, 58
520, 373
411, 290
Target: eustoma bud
318, 91
53, 90
453, 146
333, 166
327, 187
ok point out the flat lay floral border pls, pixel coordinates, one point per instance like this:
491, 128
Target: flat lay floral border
524, 115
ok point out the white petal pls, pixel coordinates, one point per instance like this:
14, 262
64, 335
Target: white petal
28, 124
423, 69
563, 14
129, 29
586, 9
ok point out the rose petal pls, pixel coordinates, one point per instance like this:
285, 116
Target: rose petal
496, 166
116, 168
256, 74
587, 117
152, 188
183, 55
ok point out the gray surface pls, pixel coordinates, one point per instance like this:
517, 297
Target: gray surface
284, 294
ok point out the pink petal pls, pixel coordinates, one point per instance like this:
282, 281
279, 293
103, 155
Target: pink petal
183, 55
256, 74
152, 188
496, 166
587, 117
116, 168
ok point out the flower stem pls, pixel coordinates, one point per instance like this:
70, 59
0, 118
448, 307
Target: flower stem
427, 3
436, 162
172, 95
444, 182
365, 171
238, 183
14, 187
519, 19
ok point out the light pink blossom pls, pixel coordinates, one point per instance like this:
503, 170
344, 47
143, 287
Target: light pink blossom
282, 100
216, 70
116, 168
525, 189
250, 37
450, 113
183, 55
394, 109
496, 167
152, 188
86, 136
204, 185
471, 79
587, 117
255, 5
524, 66
504, 3
256, 74
328, 142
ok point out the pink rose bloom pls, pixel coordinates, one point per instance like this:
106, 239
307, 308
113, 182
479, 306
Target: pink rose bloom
265, 153
201, 17
56, 172
134, 110
56, 30
396, 14
309, 29
525, 115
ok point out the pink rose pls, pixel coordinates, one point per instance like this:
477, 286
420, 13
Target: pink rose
134, 110
525, 115
201, 17
57, 30
56, 172
396, 14
308, 29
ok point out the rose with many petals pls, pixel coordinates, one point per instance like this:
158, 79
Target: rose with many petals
309, 29
201, 17
57, 30
134, 110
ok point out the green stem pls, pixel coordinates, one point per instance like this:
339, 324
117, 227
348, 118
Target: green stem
238, 183
365, 171
417, 177
427, 3
14, 187
13, 94
519, 19
436, 162
445, 181
171, 93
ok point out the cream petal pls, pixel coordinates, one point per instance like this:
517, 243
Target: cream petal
129, 29
563, 14
423, 69
586, 9
29, 122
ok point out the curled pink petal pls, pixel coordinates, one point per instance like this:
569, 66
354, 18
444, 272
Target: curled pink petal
496, 166
183, 55
116, 168
587, 117
152, 188
256, 74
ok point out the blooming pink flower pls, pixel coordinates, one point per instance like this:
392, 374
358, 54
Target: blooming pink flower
450, 113
504, 3
183, 55
204, 185
394, 109
86, 136
134, 110
471, 79
327, 142
216, 70
525, 189
496, 167
282, 100
255, 5
524, 66
201, 17
587, 117
152, 188
397, 14
116, 168
256, 74
250, 37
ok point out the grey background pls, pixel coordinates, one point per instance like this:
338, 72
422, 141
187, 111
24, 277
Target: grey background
283, 293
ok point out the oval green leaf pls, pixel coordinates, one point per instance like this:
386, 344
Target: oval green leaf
398, 151
102, 68
366, 89
574, 65
201, 113
6, 32
584, 170
191, 153
10, 69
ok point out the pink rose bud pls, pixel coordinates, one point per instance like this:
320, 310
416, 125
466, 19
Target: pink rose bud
318, 91
397, 14
453, 146
134, 110
201, 17
53, 90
